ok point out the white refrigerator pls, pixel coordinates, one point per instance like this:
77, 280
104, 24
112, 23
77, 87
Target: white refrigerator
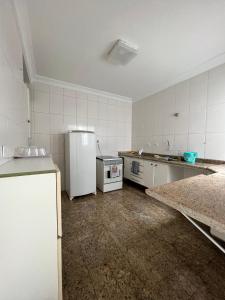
80, 155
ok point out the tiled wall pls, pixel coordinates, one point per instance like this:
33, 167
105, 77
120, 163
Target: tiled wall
55, 110
13, 99
200, 126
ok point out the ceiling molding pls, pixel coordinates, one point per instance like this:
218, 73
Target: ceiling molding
21, 12
23, 23
204, 67
81, 88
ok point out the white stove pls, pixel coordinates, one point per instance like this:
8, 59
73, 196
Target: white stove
109, 173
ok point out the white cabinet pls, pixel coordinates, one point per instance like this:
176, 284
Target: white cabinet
127, 167
161, 174
138, 178
148, 173
30, 253
152, 173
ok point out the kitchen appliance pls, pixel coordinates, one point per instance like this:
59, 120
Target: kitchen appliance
109, 173
80, 155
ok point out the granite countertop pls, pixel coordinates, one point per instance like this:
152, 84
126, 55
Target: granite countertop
205, 164
201, 197
27, 166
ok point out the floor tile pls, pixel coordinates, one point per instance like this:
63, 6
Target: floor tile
126, 245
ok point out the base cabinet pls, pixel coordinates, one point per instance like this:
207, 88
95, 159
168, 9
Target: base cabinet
161, 174
149, 171
30, 253
152, 173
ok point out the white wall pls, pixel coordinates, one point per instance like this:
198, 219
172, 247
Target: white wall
55, 110
13, 100
200, 102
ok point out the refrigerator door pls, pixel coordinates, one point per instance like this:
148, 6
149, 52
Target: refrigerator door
82, 163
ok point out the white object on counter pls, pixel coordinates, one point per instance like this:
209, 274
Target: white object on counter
31, 151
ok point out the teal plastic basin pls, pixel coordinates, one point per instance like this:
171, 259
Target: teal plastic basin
190, 157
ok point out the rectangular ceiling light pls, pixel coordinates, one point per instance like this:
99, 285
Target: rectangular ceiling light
122, 53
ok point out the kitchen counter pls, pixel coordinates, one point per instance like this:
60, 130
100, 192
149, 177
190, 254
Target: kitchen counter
27, 166
201, 197
205, 164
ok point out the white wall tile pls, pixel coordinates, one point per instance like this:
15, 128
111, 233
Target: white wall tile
57, 143
198, 92
182, 97
92, 124
56, 90
197, 121
69, 105
215, 146
196, 143
167, 144
82, 124
41, 123
180, 142
69, 93
69, 122
70, 110
41, 101
41, 140
82, 95
103, 110
40, 86
56, 103
200, 102
56, 123
92, 109
82, 109
114, 113
216, 118
92, 97
181, 123
216, 87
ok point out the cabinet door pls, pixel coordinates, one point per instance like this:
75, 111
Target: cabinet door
148, 174
28, 229
161, 174
127, 167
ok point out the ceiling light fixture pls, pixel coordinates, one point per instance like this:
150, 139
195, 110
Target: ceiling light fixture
122, 53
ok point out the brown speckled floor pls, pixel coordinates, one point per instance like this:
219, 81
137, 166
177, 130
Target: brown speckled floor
125, 245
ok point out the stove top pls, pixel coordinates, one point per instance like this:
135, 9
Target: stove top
107, 157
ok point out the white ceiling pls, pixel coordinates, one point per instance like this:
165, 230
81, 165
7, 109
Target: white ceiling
71, 37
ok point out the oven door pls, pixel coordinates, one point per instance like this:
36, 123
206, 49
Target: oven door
113, 175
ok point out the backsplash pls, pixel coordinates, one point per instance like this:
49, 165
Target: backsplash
199, 126
13, 98
56, 110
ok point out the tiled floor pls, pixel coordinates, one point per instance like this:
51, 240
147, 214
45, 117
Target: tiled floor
125, 245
